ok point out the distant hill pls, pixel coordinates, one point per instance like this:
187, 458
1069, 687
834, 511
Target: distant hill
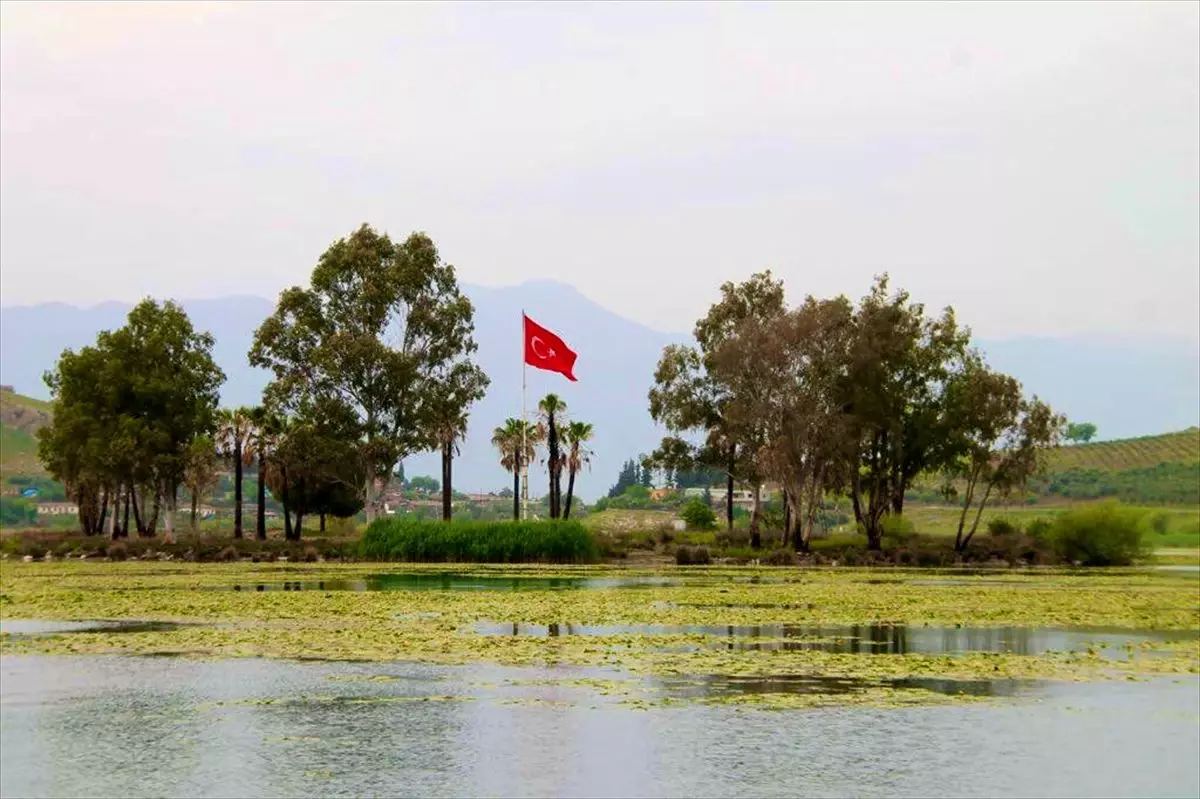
1130, 453
20, 417
1148, 470
1125, 388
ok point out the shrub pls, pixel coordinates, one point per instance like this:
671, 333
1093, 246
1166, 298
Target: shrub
1160, 522
692, 556
117, 551
1108, 534
1002, 526
422, 540
896, 530
1039, 529
779, 557
698, 515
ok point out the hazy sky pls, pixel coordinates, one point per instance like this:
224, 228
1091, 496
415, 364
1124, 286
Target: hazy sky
1035, 165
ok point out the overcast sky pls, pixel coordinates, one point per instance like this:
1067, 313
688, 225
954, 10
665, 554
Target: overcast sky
1035, 165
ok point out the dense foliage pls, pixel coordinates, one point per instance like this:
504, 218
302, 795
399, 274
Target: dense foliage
1172, 483
1106, 534
409, 539
127, 410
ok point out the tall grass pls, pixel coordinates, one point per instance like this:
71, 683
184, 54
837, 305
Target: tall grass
425, 540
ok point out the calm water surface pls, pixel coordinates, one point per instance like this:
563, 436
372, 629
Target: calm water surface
114, 726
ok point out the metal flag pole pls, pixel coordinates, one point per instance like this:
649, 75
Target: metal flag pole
524, 429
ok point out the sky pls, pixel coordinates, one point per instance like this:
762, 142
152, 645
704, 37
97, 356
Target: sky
1035, 165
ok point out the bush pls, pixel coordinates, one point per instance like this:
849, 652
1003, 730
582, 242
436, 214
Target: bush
1001, 526
698, 515
1039, 529
421, 540
779, 557
692, 556
896, 530
1109, 534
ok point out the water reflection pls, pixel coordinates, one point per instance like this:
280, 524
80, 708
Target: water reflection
109, 726
878, 639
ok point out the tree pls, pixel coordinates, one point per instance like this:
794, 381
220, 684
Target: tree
516, 441
698, 515
200, 472
689, 398
551, 410
1002, 439
127, 411
627, 477
317, 465
264, 438
783, 373
892, 388
446, 401
1080, 433
380, 322
424, 484
235, 429
576, 435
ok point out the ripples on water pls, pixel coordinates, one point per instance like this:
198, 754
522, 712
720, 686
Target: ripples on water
110, 726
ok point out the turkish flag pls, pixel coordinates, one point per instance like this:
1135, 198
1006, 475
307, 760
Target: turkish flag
547, 351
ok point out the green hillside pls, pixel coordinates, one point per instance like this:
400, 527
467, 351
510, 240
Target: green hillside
20, 418
1130, 453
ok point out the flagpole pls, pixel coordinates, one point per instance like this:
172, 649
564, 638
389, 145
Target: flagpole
524, 428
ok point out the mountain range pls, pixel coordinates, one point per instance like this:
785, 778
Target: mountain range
1126, 387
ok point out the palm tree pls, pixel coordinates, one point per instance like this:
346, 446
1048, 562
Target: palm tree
265, 428
517, 443
233, 435
449, 427
200, 471
552, 409
576, 435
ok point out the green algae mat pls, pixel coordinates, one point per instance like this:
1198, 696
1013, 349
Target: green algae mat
763, 627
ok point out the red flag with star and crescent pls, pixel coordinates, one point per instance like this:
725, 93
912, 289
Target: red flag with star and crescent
545, 350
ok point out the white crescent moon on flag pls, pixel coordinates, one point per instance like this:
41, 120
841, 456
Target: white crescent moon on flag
535, 342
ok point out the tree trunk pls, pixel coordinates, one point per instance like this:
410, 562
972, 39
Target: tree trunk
297, 526
729, 500
755, 534
125, 524
787, 518
517, 494
193, 511
322, 522
152, 522
237, 489
552, 447
447, 490
287, 522
172, 498
570, 493
138, 523
260, 524
103, 511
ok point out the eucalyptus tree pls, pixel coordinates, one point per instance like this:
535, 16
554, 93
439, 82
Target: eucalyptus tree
377, 323
691, 400
1000, 439
127, 411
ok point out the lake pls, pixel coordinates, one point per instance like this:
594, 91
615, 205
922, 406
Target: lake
153, 726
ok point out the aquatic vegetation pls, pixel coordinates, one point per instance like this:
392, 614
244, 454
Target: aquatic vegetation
664, 629
407, 538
